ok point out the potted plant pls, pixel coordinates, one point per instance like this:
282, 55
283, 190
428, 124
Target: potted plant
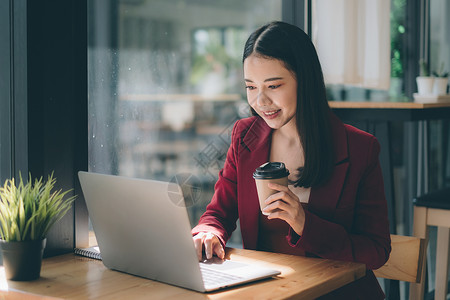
440, 81
27, 212
424, 81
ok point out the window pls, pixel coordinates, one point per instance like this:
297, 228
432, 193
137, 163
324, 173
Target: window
165, 88
439, 37
396, 91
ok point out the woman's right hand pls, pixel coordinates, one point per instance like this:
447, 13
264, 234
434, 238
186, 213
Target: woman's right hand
210, 244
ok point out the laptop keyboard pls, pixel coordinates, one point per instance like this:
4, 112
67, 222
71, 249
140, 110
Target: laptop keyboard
214, 277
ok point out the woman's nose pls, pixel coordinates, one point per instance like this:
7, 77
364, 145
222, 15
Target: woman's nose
262, 99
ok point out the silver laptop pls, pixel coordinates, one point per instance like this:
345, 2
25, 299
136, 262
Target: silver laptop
142, 229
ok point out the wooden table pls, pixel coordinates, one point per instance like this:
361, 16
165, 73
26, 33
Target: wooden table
75, 277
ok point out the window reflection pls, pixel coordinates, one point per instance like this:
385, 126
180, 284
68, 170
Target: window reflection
165, 87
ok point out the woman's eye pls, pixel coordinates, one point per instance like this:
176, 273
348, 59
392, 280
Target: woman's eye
249, 87
274, 86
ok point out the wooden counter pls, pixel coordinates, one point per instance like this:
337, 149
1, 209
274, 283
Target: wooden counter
384, 105
349, 111
75, 277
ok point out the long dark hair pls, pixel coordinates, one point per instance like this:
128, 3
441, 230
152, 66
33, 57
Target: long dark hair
293, 47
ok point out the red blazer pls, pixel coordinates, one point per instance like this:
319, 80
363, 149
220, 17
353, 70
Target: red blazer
346, 218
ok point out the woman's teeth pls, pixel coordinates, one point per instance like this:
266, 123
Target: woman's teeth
271, 113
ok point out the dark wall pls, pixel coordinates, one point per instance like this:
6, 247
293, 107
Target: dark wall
57, 105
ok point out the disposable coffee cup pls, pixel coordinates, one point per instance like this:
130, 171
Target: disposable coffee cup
274, 172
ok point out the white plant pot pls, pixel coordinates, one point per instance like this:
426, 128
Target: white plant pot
440, 86
425, 85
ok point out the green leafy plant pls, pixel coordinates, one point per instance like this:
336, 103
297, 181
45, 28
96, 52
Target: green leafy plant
215, 58
441, 72
28, 211
398, 20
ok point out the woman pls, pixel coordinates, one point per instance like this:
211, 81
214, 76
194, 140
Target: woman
335, 207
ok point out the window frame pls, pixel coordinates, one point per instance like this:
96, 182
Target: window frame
5, 92
13, 88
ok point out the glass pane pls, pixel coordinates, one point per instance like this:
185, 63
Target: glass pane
396, 91
440, 37
165, 87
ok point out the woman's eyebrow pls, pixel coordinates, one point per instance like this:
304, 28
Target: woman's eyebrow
266, 80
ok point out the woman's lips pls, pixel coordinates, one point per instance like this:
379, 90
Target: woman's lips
271, 114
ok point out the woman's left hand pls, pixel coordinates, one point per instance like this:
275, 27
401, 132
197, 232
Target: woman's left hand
286, 206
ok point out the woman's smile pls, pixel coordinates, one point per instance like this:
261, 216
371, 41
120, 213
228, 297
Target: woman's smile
271, 114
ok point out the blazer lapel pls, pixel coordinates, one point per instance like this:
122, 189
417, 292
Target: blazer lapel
254, 151
323, 200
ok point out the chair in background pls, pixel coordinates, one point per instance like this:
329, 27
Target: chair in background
405, 261
433, 209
